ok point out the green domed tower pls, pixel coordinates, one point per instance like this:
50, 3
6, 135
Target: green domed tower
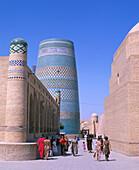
16, 96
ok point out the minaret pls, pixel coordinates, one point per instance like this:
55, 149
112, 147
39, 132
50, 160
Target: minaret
56, 69
94, 120
15, 109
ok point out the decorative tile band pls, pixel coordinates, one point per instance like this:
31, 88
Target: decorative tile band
60, 51
55, 71
17, 63
60, 83
52, 42
69, 115
17, 71
16, 78
56, 60
66, 95
18, 48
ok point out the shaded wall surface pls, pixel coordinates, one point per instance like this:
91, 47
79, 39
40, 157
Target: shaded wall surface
3, 93
56, 69
122, 105
41, 110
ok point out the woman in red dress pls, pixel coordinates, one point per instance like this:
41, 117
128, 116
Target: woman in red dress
41, 146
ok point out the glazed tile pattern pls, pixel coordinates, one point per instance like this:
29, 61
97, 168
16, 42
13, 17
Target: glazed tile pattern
57, 72
17, 63
60, 51
56, 69
56, 60
18, 49
17, 71
60, 83
66, 95
16, 77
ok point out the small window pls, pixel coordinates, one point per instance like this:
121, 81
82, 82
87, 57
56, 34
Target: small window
118, 79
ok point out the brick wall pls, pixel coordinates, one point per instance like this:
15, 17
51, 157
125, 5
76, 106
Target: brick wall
45, 111
3, 90
122, 105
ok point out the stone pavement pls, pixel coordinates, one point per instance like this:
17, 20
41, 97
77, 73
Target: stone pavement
83, 161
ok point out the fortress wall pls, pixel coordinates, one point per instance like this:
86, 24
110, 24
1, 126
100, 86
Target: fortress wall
122, 67
3, 92
38, 119
25, 106
116, 115
132, 44
122, 105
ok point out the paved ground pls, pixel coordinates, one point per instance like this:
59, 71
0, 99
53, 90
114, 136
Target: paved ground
83, 161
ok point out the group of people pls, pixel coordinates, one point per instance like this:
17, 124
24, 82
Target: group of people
56, 146
102, 146
44, 146
60, 145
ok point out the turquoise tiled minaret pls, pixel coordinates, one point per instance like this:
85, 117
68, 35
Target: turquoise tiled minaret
56, 68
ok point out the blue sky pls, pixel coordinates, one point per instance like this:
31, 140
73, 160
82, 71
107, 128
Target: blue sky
97, 28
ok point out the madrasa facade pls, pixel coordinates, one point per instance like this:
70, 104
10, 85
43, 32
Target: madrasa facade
56, 69
122, 104
27, 109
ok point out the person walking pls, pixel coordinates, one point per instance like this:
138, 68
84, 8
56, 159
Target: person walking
40, 142
89, 144
47, 147
63, 142
107, 148
78, 138
74, 146
58, 144
51, 141
84, 146
101, 143
67, 143
98, 149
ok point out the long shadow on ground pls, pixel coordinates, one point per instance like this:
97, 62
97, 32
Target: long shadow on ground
108, 160
78, 155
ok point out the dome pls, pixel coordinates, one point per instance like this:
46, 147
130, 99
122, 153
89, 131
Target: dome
94, 115
135, 28
18, 45
18, 41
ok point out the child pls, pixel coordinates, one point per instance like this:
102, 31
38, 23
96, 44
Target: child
84, 146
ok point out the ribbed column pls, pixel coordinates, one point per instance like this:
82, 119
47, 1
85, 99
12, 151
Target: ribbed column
15, 110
